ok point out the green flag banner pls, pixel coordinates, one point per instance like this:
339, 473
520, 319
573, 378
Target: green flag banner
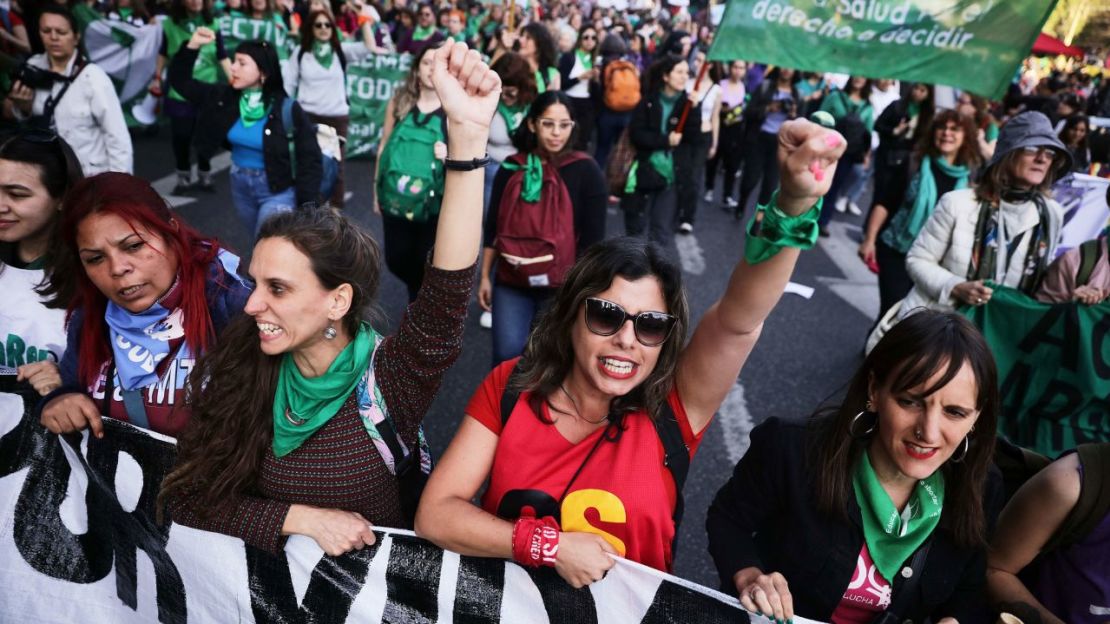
1053, 369
975, 45
370, 85
127, 53
237, 29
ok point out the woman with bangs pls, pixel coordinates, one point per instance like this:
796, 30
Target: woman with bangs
607, 384
876, 510
145, 295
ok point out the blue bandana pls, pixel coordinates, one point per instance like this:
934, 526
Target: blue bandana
141, 340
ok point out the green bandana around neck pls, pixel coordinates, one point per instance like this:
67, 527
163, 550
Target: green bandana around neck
907, 222
892, 537
251, 108
585, 58
324, 53
532, 185
313, 402
513, 115
421, 33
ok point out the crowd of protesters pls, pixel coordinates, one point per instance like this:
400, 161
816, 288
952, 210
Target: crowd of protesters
512, 132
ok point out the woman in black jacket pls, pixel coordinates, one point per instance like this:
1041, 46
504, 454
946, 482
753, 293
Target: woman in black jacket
828, 520
775, 102
649, 199
271, 170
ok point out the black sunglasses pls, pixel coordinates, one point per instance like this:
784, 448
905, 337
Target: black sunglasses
606, 318
323, 25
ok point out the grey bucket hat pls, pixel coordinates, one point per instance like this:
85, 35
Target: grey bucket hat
1030, 129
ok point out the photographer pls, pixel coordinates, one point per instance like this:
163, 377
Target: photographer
60, 89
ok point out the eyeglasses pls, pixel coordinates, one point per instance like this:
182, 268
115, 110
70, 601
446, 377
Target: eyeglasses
322, 25
1038, 151
606, 318
551, 124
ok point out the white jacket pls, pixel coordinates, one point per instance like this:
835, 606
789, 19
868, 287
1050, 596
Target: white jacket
89, 118
939, 258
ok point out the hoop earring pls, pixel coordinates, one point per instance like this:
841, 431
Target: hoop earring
330, 333
852, 425
967, 447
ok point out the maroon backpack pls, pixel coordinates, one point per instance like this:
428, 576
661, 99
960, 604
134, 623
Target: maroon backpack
536, 242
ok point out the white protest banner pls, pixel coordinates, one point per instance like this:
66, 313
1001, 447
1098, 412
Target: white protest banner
78, 543
1086, 213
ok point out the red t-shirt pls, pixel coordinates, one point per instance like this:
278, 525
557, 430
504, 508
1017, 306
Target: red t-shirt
624, 493
867, 594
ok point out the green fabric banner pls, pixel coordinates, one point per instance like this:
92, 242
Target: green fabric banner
236, 29
370, 85
975, 45
1053, 369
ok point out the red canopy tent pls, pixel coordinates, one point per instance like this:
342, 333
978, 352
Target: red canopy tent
1051, 46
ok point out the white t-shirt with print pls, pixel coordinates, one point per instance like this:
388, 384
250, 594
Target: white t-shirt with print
29, 331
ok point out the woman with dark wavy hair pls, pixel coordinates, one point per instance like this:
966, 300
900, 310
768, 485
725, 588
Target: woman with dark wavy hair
307, 419
145, 295
826, 519
607, 364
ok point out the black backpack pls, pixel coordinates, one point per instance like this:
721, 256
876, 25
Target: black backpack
852, 128
676, 455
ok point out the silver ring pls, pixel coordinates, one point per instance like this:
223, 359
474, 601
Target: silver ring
980, 301
751, 594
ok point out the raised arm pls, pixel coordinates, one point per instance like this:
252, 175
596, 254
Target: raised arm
725, 336
469, 92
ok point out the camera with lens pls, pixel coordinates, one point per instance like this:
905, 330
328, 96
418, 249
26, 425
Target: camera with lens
35, 77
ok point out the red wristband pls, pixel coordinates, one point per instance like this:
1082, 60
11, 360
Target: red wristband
535, 541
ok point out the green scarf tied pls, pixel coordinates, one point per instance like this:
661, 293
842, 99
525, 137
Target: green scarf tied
892, 537
585, 58
324, 53
921, 199
532, 184
421, 33
251, 108
312, 402
512, 115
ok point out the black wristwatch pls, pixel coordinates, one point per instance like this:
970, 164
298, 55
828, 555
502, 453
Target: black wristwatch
466, 165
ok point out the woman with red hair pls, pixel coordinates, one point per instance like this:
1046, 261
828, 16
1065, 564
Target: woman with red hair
145, 295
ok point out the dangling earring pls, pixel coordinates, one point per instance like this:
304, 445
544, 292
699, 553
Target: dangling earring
329, 332
867, 410
967, 446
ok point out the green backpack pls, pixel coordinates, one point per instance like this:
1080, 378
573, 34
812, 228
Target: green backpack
410, 177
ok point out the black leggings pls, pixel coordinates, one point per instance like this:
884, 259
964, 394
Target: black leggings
585, 119
760, 169
406, 245
182, 129
894, 281
730, 154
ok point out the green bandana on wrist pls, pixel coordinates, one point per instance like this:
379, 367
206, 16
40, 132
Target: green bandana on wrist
251, 108
892, 537
532, 184
312, 402
421, 33
772, 229
324, 53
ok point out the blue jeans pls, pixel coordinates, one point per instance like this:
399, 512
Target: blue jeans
254, 202
513, 312
846, 176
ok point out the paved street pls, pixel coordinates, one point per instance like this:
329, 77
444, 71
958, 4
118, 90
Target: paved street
809, 348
